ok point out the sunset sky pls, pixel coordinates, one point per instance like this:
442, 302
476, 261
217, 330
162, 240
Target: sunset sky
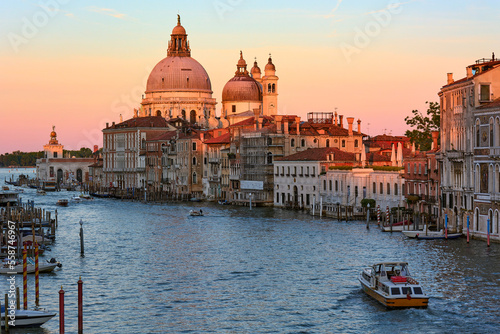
79, 64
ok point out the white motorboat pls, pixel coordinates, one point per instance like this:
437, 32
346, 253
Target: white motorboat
26, 318
196, 213
397, 227
76, 199
424, 232
390, 284
17, 268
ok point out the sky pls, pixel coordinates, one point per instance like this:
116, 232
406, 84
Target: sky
77, 64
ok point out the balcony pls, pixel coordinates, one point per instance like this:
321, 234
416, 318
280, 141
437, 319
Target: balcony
213, 160
455, 155
234, 177
495, 153
214, 179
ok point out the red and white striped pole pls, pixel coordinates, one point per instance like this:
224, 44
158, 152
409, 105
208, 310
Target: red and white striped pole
378, 215
387, 216
37, 286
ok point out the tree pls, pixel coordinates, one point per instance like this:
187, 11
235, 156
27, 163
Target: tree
424, 125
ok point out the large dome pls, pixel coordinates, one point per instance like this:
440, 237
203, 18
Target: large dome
242, 88
178, 74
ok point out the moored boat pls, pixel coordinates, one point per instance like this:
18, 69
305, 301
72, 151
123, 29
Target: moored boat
397, 227
17, 268
442, 235
27, 318
391, 284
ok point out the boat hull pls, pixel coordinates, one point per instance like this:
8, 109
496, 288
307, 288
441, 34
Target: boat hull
441, 236
395, 302
29, 318
42, 268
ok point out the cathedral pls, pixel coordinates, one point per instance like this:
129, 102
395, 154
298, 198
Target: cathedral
179, 87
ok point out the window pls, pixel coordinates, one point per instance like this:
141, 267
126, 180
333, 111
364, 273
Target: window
425, 169
381, 188
269, 158
330, 184
409, 168
183, 114
323, 169
288, 171
336, 185
395, 189
355, 143
269, 141
374, 188
55, 154
484, 93
292, 143
343, 143
420, 169
194, 146
478, 139
324, 185
328, 143
303, 143
195, 178
194, 161
274, 88
269, 88
414, 168
233, 108
491, 133
388, 189
314, 171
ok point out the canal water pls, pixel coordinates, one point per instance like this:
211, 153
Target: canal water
152, 268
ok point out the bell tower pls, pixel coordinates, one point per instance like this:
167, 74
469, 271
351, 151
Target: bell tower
270, 89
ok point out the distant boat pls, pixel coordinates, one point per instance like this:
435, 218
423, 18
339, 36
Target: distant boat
195, 199
440, 236
196, 213
62, 202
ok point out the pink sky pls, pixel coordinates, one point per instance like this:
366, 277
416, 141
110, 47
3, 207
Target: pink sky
87, 65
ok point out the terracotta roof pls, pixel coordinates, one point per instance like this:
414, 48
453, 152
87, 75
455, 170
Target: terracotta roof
142, 122
385, 137
320, 154
164, 136
223, 139
376, 157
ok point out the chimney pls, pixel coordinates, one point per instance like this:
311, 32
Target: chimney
297, 123
359, 126
341, 117
107, 125
113, 124
350, 120
450, 78
435, 135
285, 125
96, 148
121, 118
469, 72
256, 113
336, 118
278, 124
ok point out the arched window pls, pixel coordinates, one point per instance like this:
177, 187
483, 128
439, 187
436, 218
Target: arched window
269, 141
388, 188
158, 112
343, 143
328, 143
194, 161
183, 114
303, 143
395, 189
269, 158
192, 117
292, 142
355, 143
269, 88
195, 178
330, 185
478, 139
491, 133
274, 88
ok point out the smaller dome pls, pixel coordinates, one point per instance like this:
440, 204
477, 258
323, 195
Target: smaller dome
270, 65
242, 88
255, 68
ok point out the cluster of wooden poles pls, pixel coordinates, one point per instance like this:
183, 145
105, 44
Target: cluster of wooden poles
37, 296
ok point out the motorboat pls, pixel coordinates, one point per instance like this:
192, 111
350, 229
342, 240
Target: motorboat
26, 318
391, 284
76, 199
41, 192
86, 197
8, 268
442, 235
62, 202
425, 231
397, 227
196, 212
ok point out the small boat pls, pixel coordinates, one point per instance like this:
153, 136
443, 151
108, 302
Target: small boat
86, 197
5, 188
425, 231
440, 236
41, 192
391, 284
196, 213
76, 199
17, 268
195, 199
223, 202
397, 227
62, 202
27, 318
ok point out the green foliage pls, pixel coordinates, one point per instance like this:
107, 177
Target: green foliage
19, 158
423, 125
387, 168
365, 201
82, 153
